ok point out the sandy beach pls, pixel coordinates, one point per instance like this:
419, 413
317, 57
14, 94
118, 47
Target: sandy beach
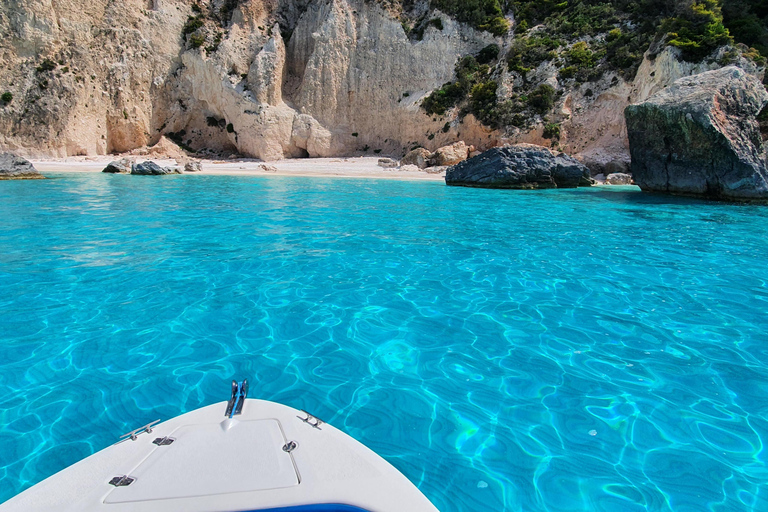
352, 167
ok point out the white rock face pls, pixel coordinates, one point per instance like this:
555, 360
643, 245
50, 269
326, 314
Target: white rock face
265, 76
100, 97
348, 68
345, 79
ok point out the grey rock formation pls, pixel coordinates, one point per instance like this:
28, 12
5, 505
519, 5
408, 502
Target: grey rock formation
523, 166
150, 168
122, 166
13, 167
193, 166
700, 137
619, 178
387, 163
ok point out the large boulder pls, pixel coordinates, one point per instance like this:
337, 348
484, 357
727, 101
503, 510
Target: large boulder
524, 166
700, 137
619, 178
13, 167
193, 166
150, 168
387, 163
122, 166
418, 157
450, 155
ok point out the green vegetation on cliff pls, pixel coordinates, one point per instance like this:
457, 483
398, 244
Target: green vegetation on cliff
473, 89
622, 30
481, 14
747, 21
582, 41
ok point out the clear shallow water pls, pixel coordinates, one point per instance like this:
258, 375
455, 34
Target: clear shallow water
556, 350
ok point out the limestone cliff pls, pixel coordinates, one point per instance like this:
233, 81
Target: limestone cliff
274, 79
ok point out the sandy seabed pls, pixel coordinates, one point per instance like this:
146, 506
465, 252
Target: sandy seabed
352, 167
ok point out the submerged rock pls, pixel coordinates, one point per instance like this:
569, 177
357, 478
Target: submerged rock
700, 137
150, 168
122, 166
521, 166
13, 167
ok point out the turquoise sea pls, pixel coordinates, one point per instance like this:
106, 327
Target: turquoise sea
564, 350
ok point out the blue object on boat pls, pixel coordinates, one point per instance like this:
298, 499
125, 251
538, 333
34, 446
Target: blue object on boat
236, 401
329, 507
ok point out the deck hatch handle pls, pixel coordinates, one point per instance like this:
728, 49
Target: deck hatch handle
163, 441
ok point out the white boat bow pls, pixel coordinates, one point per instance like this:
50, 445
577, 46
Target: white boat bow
268, 457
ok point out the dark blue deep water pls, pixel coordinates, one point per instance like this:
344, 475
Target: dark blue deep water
577, 350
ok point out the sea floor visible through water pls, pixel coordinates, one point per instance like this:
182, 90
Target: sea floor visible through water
562, 350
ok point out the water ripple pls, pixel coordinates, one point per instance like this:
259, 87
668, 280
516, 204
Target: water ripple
550, 351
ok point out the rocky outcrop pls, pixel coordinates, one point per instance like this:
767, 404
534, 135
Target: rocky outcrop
13, 167
700, 137
122, 166
150, 168
522, 166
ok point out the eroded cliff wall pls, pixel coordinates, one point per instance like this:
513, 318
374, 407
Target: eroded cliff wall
270, 79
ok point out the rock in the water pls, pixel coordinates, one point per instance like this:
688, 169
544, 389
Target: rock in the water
700, 137
387, 163
122, 166
150, 168
519, 166
193, 166
13, 167
418, 157
619, 178
450, 155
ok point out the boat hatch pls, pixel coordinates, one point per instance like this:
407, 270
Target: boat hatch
210, 459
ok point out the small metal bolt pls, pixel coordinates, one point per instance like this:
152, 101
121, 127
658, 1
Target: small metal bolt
290, 446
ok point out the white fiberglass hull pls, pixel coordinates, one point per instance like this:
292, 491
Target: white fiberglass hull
268, 457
